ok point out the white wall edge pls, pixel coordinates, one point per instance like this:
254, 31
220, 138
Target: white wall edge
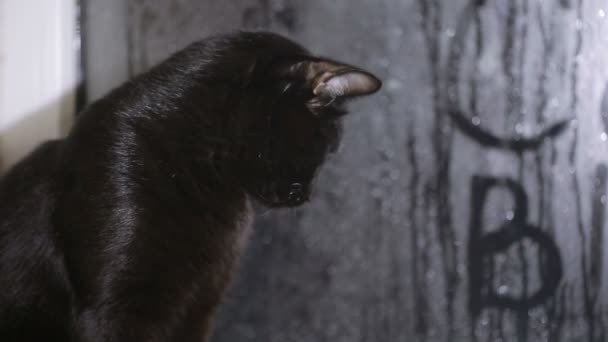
38, 73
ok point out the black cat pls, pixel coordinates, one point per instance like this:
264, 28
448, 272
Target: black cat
129, 228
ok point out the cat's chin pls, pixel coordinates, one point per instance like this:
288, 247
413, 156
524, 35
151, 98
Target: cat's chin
291, 199
281, 195
277, 202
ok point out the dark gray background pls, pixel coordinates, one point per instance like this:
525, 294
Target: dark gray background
380, 254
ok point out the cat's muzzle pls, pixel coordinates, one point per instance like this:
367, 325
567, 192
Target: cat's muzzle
296, 194
286, 195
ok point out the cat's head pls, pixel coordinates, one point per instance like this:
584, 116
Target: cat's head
292, 117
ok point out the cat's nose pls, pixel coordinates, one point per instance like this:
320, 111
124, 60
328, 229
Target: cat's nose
296, 192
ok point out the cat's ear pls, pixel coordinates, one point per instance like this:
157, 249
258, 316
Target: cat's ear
329, 79
343, 81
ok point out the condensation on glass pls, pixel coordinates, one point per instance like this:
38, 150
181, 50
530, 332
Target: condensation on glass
468, 201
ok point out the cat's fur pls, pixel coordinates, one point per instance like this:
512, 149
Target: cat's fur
129, 228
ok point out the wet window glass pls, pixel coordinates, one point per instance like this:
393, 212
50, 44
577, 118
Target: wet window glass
467, 201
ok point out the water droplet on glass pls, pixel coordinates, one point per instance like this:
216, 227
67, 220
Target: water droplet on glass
476, 120
519, 128
554, 102
376, 193
397, 31
574, 123
450, 33
394, 84
503, 289
510, 215
604, 136
601, 13
383, 62
333, 329
603, 199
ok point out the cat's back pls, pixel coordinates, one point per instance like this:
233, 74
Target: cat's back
28, 185
32, 278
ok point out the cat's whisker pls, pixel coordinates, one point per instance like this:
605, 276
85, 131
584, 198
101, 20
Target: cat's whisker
333, 99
